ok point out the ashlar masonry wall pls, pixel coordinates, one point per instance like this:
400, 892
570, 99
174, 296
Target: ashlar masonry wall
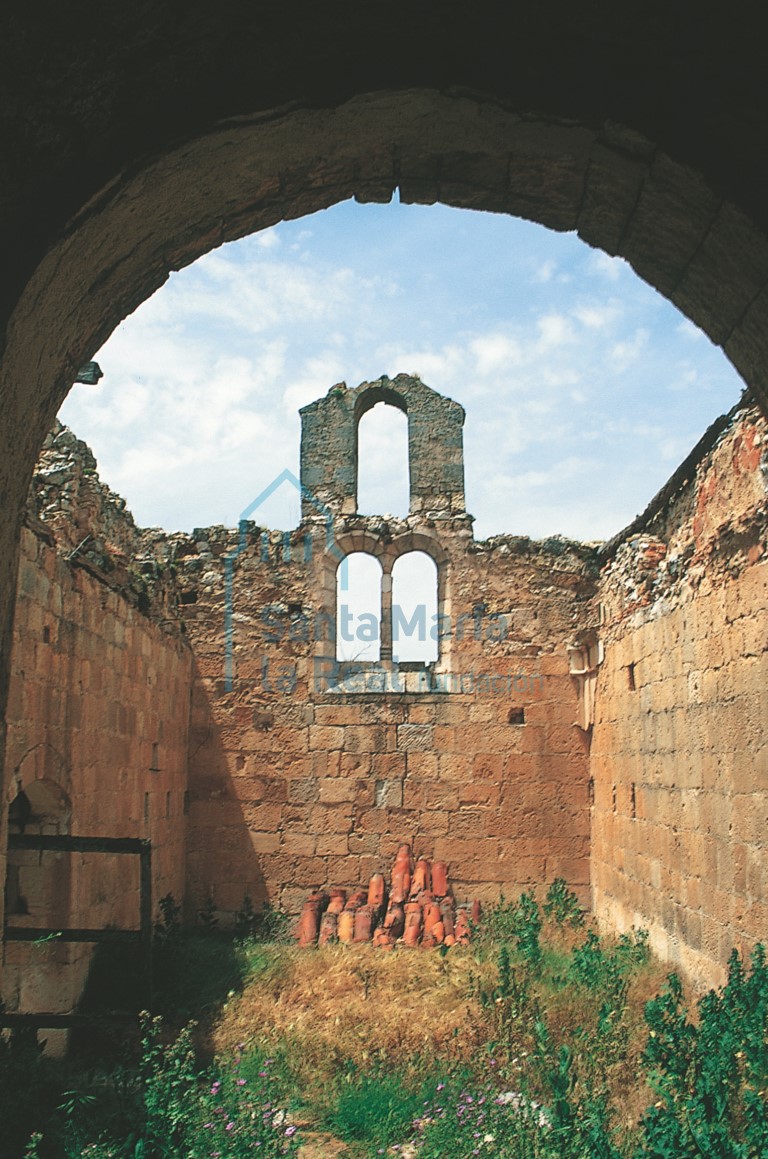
679, 757
97, 730
306, 773
294, 783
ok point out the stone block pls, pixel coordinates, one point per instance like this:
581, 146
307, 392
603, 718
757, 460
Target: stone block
264, 842
325, 818
367, 739
299, 844
415, 737
326, 738
479, 793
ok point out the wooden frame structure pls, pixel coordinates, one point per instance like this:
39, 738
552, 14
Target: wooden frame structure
68, 844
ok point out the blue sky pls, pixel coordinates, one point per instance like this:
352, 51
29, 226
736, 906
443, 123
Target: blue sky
583, 387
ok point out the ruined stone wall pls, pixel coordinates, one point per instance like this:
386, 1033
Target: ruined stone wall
679, 760
300, 778
97, 723
329, 466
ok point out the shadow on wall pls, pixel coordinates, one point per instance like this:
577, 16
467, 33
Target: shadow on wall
229, 807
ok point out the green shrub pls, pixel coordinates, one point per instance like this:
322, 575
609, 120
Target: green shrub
599, 967
711, 1078
516, 922
526, 927
561, 906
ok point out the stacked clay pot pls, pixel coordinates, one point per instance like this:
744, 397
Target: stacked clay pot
418, 910
309, 922
401, 876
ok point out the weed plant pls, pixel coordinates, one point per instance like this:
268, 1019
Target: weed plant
171, 1108
536, 1042
378, 1107
711, 1074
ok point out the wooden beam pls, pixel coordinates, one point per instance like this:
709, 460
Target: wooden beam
65, 843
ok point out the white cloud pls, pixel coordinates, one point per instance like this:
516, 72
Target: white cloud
554, 330
268, 239
198, 407
624, 353
494, 352
687, 329
602, 265
545, 271
687, 378
596, 317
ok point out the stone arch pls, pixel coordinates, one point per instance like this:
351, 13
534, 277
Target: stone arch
329, 445
386, 551
615, 187
421, 616
356, 584
388, 415
154, 160
38, 893
40, 762
38, 883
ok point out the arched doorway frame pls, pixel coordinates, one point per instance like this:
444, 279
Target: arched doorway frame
616, 189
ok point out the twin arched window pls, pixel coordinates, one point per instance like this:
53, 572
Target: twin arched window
381, 615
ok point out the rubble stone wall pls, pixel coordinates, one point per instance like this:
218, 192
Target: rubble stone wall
679, 760
329, 445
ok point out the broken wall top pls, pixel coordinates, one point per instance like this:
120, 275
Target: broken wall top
329, 447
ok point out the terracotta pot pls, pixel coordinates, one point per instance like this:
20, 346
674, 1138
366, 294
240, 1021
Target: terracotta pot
403, 858
309, 923
346, 925
421, 877
431, 916
402, 871
439, 878
476, 911
401, 884
328, 928
337, 902
363, 923
394, 922
413, 924
376, 891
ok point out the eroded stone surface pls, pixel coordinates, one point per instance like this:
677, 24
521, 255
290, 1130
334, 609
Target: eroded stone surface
678, 755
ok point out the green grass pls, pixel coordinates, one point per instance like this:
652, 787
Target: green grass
569, 1046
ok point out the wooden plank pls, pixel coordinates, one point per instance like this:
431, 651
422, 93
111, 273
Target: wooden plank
65, 843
